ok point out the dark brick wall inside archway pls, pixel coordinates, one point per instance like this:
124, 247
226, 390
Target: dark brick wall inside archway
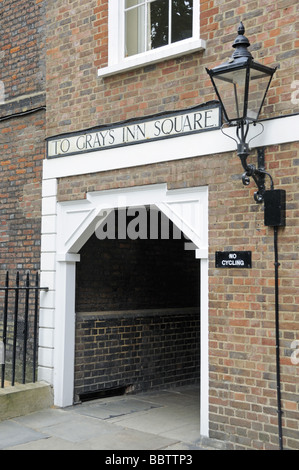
137, 315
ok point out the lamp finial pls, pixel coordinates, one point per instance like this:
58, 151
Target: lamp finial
241, 29
241, 44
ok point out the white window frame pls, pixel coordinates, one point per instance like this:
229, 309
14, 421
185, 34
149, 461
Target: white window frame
117, 62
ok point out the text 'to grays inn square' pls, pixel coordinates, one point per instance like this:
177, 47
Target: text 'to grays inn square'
171, 125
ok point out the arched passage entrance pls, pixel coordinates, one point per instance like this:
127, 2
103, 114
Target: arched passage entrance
137, 307
77, 222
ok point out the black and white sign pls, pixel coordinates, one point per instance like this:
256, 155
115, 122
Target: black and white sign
199, 119
233, 259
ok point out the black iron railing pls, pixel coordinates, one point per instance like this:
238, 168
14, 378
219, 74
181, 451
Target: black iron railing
19, 325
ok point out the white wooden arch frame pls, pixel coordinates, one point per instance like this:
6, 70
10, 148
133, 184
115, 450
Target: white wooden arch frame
75, 222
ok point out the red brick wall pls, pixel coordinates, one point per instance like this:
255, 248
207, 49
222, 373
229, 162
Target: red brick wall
242, 329
22, 132
22, 152
78, 46
22, 45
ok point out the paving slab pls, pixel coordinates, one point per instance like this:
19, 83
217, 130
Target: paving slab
161, 419
175, 398
80, 428
165, 420
42, 419
130, 439
12, 434
106, 410
51, 443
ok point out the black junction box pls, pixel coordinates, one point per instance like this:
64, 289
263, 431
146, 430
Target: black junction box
275, 208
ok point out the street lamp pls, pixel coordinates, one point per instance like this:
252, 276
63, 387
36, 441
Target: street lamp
241, 85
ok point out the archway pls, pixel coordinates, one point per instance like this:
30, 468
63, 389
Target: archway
77, 222
137, 307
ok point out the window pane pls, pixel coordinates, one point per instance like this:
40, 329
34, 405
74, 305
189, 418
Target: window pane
135, 31
159, 12
181, 20
133, 3
147, 23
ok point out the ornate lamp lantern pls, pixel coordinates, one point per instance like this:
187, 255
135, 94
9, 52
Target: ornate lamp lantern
241, 85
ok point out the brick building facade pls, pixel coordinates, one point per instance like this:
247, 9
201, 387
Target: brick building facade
22, 134
22, 149
90, 345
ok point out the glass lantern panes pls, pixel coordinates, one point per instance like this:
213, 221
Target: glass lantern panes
242, 92
258, 86
231, 90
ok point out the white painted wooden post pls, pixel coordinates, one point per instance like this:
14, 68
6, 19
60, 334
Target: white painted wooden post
204, 348
64, 342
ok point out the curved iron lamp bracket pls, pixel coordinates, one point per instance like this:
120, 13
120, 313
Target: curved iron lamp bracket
257, 173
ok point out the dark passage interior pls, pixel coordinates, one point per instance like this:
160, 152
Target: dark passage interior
137, 310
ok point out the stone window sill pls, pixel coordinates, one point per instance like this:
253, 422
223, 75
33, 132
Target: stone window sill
187, 46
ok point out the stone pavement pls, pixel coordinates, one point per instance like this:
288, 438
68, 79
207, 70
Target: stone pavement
164, 420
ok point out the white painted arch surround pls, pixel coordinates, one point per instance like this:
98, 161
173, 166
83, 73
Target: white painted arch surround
75, 223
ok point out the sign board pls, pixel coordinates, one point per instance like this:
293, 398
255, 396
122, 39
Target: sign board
190, 121
233, 259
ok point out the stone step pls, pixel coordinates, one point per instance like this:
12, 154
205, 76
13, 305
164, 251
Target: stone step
23, 399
